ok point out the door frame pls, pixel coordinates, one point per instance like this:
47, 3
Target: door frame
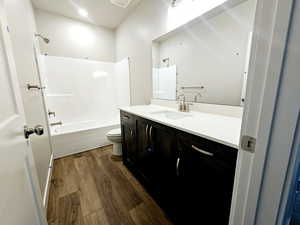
270, 33
283, 157
38, 65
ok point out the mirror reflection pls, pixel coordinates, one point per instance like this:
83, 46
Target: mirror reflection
205, 60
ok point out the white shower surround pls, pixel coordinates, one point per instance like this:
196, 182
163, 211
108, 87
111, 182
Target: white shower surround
85, 95
164, 82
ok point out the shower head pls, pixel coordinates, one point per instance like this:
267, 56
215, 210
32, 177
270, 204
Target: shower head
173, 3
46, 40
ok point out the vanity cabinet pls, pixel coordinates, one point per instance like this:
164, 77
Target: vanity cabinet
163, 143
205, 172
129, 148
189, 176
156, 157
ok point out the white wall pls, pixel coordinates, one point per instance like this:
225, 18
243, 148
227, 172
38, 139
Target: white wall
72, 38
22, 28
213, 55
134, 39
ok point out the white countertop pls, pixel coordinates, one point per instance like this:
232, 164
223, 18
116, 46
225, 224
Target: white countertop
222, 129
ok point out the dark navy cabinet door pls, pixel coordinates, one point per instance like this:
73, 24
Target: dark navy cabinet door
128, 130
205, 180
156, 153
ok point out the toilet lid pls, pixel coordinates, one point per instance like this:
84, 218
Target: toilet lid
114, 132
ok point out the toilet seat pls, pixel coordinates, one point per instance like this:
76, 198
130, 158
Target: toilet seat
114, 133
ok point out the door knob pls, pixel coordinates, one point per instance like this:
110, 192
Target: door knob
38, 130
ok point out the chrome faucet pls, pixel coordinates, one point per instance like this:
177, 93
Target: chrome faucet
181, 102
196, 97
183, 106
56, 124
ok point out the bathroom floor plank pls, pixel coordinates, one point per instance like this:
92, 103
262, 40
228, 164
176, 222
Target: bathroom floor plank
127, 193
70, 210
116, 213
89, 196
96, 218
147, 199
58, 179
70, 175
57, 189
149, 206
141, 216
91, 189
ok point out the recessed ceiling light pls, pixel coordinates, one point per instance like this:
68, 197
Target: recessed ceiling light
83, 12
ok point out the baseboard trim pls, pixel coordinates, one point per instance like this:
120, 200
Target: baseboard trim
48, 183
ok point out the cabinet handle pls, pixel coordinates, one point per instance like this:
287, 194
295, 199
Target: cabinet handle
125, 117
131, 132
177, 166
202, 151
150, 134
147, 132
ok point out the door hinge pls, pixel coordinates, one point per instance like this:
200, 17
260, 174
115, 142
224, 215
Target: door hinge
248, 143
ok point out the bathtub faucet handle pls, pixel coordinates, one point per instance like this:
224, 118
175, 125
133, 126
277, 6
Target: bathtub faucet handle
57, 123
51, 113
37, 87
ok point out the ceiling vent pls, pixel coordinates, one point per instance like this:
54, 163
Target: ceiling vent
121, 3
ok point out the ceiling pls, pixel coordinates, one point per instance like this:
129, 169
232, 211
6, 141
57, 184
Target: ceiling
101, 12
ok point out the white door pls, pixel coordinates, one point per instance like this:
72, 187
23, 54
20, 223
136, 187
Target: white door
19, 203
21, 21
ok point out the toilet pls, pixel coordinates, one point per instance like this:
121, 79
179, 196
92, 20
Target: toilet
114, 136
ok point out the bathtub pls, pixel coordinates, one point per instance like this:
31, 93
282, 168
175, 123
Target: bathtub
82, 136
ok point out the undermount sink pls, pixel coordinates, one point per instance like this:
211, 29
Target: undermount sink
171, 114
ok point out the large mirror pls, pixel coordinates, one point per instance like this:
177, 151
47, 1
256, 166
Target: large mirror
206, 59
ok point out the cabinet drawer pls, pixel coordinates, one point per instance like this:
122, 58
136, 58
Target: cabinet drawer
127, 118
207, 149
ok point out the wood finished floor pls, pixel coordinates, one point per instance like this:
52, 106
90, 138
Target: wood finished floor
91, 189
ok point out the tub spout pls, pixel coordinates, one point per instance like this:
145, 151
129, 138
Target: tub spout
56, 124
